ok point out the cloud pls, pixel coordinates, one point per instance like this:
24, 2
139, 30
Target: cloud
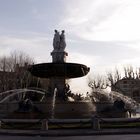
109, 31
123, 25
85, 16
103, 20
132, 61
36, 47
99, 33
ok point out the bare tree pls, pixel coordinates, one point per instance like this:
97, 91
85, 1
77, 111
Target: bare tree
98, 82
129, 72
21, 59
113, 77
13, 71
137, 72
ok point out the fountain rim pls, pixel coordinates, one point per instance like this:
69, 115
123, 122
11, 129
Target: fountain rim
61, 63
55, 69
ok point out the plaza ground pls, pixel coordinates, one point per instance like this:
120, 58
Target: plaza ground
96, 137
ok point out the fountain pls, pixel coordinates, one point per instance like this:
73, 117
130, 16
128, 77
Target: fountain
58, 72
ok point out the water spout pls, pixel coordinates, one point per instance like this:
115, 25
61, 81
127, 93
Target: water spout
5, 96
53, 103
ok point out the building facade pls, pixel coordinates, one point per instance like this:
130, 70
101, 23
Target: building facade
129, 87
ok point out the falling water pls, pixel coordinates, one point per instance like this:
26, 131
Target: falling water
5, 96
6, 93
53, 103
129, 102
101, 96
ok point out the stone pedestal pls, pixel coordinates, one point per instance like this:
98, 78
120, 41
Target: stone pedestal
58, 82
59, 57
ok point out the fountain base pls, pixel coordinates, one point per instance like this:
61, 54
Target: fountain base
62, 110
111, 110
68, 109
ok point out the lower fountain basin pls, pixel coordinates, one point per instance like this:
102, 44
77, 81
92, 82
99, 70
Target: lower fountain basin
62, 110
67, 70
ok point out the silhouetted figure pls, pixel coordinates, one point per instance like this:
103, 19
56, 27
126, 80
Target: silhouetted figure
62, 41
119, 104
56, 41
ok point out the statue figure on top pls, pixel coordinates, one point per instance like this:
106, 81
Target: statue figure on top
62, 41
56, 40
59, 43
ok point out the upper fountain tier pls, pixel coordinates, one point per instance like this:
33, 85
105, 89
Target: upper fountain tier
59, 67
65, 70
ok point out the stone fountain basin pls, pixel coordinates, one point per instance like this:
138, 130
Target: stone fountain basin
62, 110
67, 70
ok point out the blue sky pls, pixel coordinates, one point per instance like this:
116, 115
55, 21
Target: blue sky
102, 34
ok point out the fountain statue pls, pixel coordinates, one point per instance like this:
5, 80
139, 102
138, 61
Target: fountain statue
59, 42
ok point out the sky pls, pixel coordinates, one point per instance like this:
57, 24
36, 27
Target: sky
102, 34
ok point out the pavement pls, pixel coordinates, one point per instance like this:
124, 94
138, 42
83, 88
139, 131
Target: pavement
69, 132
